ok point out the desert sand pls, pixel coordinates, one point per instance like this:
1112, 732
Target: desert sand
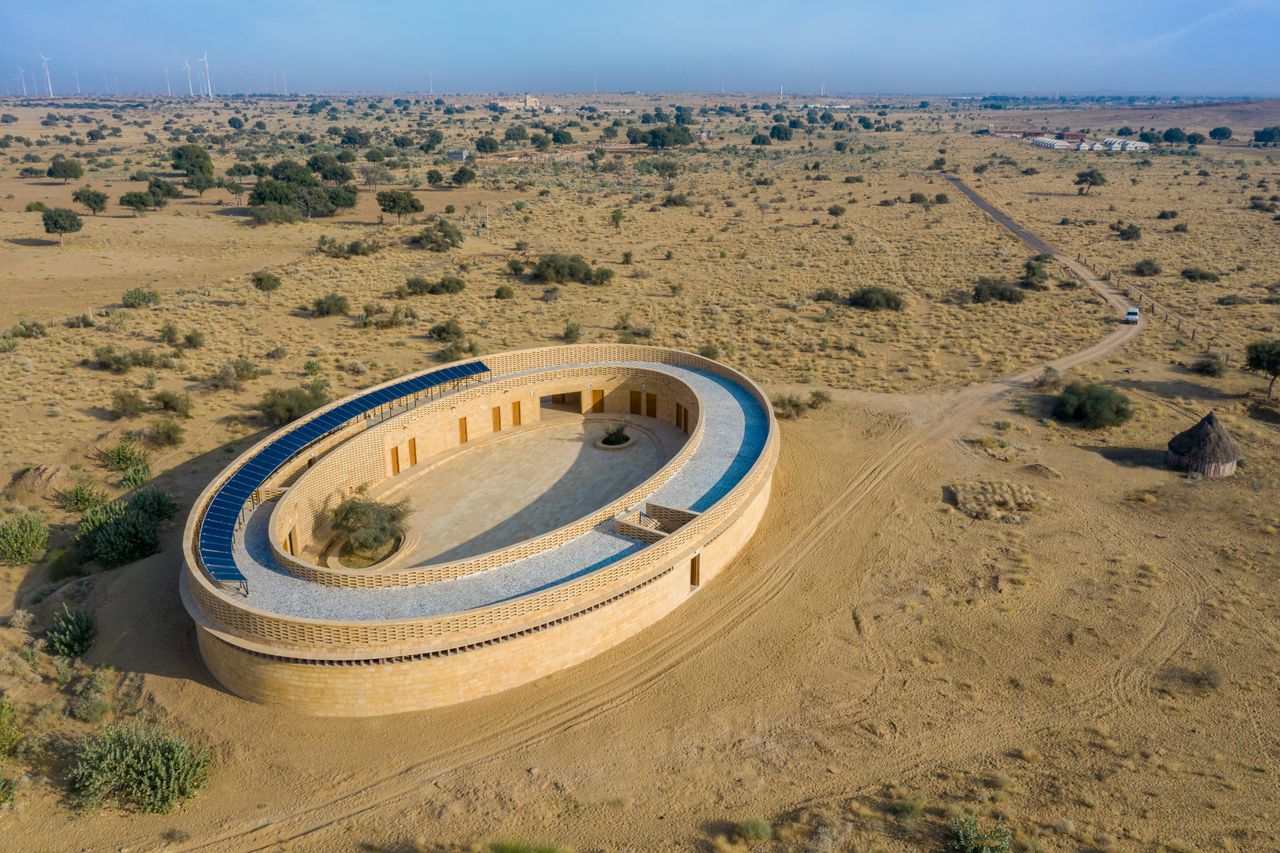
1099, 671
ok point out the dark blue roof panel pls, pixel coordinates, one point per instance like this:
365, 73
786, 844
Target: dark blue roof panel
217, 529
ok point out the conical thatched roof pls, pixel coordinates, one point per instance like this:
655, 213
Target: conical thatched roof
1205, 443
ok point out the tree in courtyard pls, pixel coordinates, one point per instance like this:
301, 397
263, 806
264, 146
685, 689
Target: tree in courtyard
1263, 356
93, 200
266, 282
1090, 178
61, 221
399, 202
66, 169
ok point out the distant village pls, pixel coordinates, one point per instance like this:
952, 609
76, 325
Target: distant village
1068, 140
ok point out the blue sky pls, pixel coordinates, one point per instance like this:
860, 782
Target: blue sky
886, 47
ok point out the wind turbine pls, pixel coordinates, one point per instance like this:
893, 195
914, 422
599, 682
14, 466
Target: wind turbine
22, 78
48, 81
208, 78
167, 89
284, 80
77, 73
186, 66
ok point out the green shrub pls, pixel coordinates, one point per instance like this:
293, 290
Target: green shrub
71, 633
557, 269
273, 213
154, 503
755, 830
504, 291
992, 290
140, 298
440, 236
1210, 364
173, 401
123, 455
968, 837
572, 333
710, 351
136, 476
876, 299
450, 331
194, 339
23, 538
127, 403
139, 767
1197, 274
81, 497
10, 729
167, 433
331, 304
281, 406
121, 532
1146, 268
1093, 406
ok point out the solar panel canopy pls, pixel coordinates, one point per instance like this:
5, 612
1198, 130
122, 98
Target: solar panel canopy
222, 515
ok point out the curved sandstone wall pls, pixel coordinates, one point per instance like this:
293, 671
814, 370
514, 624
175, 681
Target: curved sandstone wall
325, 667
446, 677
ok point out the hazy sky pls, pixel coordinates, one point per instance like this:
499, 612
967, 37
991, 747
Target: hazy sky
886, 46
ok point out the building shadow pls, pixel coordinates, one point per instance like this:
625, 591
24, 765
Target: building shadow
1171, 388
1130, 457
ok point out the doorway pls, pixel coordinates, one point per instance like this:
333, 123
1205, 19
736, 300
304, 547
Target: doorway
462, 430
395, 461
515, 413
597, 402
695, 570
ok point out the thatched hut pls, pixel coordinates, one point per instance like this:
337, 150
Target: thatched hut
1204, 449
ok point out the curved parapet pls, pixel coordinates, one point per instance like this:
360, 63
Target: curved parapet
280, 621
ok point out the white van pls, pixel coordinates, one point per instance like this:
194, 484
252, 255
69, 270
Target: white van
1131, 316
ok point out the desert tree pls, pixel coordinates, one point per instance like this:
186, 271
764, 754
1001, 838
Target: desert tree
399, 202
1088, 179
62, 221
265, 282
1263, 356
66, 169
486, 145
375, 176
93, 200
1220, 133
435, 177
200, 181
616, 217
192, 160
136, 201
463, 176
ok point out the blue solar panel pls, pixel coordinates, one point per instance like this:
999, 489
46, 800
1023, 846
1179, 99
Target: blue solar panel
222, 517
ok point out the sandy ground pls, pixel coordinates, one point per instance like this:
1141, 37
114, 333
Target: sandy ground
1101, 675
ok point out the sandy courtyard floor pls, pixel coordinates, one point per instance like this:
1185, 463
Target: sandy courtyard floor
521, 485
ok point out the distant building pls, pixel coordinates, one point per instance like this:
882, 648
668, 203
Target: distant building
1116, 144
1050, 142
1069, 136
458, 155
